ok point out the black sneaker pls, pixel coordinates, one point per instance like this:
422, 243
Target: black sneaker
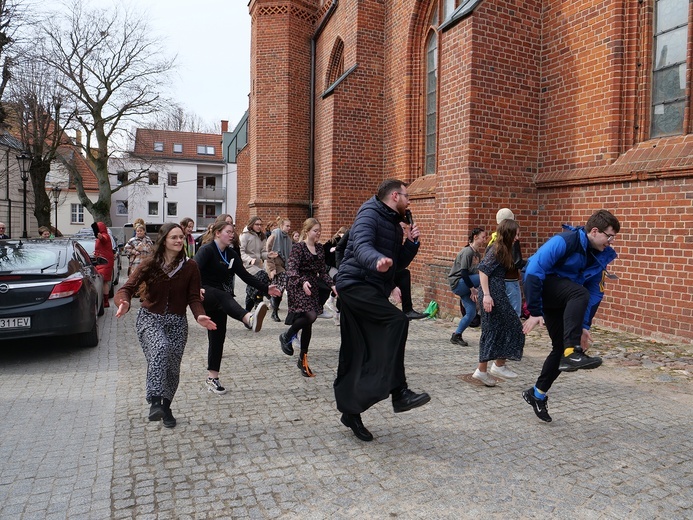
540, 406
578, 360
456, 339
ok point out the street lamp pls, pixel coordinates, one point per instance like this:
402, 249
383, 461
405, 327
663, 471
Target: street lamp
56, 195
24, 160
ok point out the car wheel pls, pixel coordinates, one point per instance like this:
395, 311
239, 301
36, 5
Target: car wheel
89, 339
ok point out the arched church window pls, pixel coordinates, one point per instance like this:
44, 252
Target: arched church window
336, 66
431, 101
670, 67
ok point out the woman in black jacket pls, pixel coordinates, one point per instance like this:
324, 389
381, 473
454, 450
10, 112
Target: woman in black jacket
218, 263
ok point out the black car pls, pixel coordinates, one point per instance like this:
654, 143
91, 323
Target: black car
49, 288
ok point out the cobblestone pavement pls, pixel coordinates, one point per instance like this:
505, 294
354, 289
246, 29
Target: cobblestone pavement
75, 441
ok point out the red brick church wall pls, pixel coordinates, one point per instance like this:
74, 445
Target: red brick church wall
540, 109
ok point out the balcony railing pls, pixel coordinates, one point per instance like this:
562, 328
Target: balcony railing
203, 222
211, 193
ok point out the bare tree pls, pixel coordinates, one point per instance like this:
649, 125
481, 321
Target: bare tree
113, 67
10, 15
40, 113
175, 117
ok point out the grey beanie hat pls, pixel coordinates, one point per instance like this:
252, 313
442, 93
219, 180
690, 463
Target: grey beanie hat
503, 214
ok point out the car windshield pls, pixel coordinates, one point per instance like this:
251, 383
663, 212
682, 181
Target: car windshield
27, 257
87, 243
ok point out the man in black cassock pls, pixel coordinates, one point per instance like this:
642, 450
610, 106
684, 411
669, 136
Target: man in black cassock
374, 332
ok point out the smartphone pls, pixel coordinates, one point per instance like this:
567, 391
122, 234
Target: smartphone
408, 217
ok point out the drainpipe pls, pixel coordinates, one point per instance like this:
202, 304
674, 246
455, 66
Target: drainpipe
311, 151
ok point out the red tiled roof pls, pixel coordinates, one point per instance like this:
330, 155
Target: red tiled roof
73, 156
146, 137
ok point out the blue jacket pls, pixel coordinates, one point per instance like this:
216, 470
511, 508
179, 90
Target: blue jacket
565, 255
376, 233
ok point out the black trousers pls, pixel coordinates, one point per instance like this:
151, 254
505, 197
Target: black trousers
371, 356
564, 305
219, 305
403, 281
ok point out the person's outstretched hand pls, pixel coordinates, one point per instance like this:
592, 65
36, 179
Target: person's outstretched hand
206, 322
384, 263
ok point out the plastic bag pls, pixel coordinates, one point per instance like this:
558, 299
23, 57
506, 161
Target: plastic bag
432, 309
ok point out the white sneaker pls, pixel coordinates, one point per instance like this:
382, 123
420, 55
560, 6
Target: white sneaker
213, 385
326, 314
484, 377
502, 371
255, 320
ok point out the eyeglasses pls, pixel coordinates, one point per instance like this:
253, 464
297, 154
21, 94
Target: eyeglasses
609, 238
402, 194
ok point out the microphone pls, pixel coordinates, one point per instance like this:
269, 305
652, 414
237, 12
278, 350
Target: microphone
408, 217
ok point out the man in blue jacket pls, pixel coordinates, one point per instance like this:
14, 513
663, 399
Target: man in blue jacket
374, 332
564, 284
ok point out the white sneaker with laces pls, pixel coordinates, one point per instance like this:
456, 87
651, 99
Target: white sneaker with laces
484, 377
214, 386
258, 315
502, 371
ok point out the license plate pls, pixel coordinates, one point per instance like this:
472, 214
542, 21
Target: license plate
15, 323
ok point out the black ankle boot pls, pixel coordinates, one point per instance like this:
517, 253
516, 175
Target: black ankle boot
353, 421
275, 316
168, 419
156, 411
303, 365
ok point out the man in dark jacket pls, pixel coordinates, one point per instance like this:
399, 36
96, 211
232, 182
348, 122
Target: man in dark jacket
564, 285
374, 332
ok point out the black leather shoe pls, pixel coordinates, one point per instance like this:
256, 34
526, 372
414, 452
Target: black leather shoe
285, 343
415, 315
275, 317
353, 421
407, 400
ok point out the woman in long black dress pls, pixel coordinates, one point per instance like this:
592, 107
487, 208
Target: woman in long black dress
501, 328
306, 266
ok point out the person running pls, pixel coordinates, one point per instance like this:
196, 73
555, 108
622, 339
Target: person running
373, 330
501, 328
188, 226
138, 248
168, 282
279, 241
564, 285
253, 254
464, 281
104, 248
218, 263
512, 280
306, 267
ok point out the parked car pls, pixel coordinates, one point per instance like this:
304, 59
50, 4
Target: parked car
85, 237
49, 288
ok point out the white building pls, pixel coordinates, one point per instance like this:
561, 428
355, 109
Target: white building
184, 176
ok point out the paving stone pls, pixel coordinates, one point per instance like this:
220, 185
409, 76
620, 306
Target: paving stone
273, 447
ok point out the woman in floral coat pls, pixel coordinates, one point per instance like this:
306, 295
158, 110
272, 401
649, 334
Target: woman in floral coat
306, 266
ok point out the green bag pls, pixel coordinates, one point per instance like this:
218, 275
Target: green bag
432, 309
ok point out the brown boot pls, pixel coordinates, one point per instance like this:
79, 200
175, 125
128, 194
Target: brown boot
303, 365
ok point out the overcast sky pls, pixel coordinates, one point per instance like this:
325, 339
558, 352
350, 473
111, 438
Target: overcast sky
212, 41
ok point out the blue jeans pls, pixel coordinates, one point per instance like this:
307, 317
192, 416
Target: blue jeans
465, 295
512, 289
